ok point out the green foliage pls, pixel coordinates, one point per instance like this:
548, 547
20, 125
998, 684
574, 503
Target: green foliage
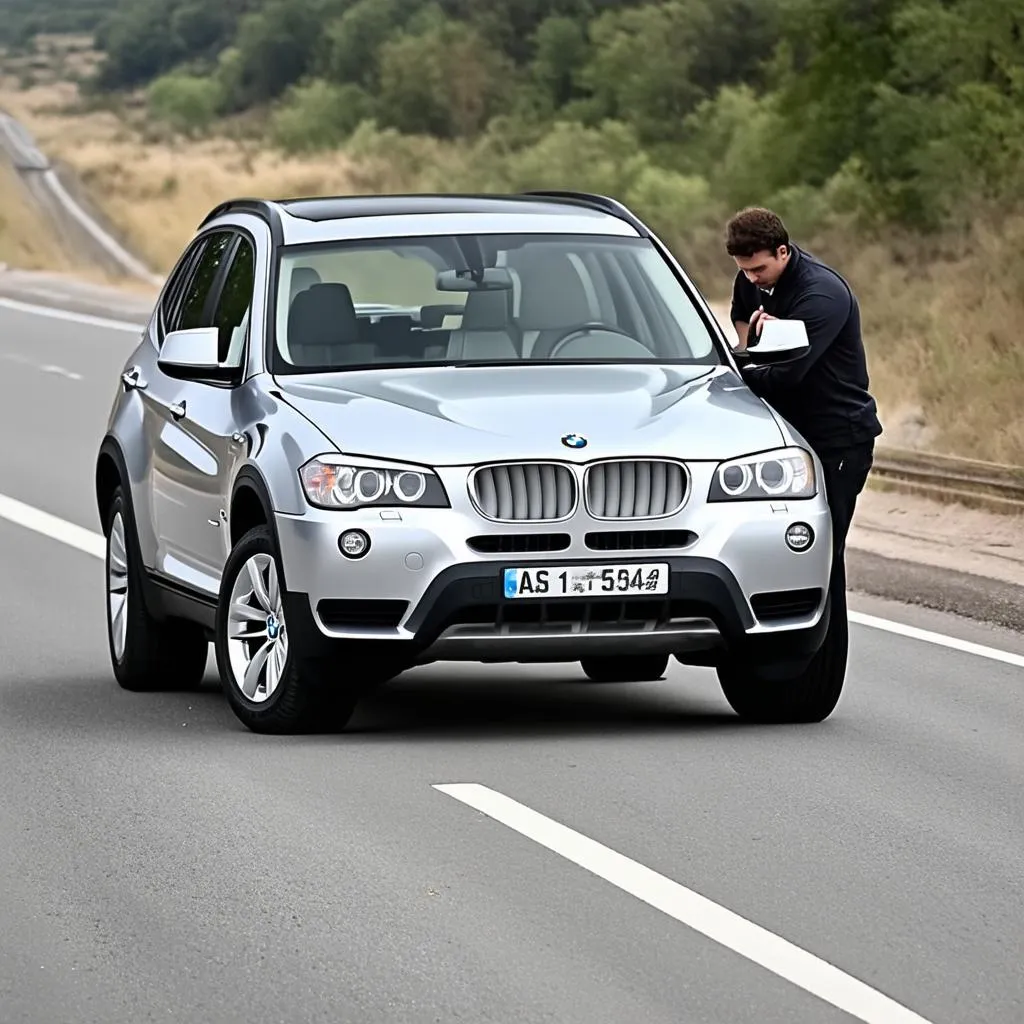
318, 115
875, 111
188, 103
21, 20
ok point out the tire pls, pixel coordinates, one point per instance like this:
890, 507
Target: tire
146, 654
286, 692
625, 668
807, 697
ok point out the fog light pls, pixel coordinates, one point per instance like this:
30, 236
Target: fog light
799, 537
354, 543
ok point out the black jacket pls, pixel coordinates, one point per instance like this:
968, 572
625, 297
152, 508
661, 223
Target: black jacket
824, 392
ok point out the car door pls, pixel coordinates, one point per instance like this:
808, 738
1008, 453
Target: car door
186, 460
209, 419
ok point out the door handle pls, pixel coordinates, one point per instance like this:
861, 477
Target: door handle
132, 380
177, 410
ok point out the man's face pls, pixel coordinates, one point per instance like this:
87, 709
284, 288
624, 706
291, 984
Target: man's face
764, 268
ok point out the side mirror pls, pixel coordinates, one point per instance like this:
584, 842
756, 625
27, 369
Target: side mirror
779, 336
191, 353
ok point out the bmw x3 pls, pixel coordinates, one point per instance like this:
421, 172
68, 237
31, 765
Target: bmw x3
361, 434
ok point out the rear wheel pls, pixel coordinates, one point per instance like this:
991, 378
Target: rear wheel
624, 668
146, 653
808, 696
271, 688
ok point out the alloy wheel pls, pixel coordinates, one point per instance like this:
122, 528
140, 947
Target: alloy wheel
257, 641
117, 586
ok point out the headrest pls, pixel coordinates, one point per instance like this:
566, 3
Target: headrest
487, 310
303, 278
553, 295
322, 315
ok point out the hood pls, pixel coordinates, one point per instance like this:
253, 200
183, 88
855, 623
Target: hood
461, 415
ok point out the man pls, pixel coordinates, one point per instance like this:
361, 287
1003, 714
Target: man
823, 392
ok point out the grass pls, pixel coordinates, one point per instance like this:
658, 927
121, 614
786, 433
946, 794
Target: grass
26, 238
940, 316
155, 190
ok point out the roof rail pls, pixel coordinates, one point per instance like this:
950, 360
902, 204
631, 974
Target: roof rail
595, 202
260, 207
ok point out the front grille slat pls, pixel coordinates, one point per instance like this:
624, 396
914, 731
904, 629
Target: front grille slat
524, 492
635, 489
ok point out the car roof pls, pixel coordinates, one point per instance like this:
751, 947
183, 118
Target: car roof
296, 221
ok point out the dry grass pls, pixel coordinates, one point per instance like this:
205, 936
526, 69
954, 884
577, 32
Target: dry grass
154, 192
26, 239
940, 317
942, 322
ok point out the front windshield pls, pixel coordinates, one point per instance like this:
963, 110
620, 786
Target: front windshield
479, 299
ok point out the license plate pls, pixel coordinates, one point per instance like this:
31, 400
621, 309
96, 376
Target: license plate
585, 580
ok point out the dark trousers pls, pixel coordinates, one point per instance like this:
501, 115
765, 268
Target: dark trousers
846, 472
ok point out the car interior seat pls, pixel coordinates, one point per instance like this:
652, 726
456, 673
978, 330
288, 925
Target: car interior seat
323, 329
552, 299
486, 331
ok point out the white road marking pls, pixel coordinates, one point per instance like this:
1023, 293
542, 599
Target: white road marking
51, 526
930, 637
15, 357
72, 317
94, 544
60, 371
716, 922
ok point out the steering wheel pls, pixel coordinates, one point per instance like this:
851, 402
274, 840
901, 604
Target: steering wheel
588, 328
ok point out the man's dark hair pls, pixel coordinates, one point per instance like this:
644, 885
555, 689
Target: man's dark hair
754, 230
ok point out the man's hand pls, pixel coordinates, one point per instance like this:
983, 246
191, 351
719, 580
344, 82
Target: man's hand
757, 321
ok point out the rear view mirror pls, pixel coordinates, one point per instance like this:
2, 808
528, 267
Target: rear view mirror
191, 353
778, 336
494, 279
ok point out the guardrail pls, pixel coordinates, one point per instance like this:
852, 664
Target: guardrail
971, 482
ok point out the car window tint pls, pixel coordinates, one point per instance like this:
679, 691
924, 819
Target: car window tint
198, 290
170, 303
230, 316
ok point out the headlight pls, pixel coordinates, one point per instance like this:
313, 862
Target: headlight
344, 483
785, 473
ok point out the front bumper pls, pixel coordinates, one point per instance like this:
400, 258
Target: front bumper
430, 587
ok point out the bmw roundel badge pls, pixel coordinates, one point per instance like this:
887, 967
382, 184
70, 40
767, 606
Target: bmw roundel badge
574, 441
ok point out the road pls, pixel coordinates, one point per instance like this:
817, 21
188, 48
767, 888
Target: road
72, 217
160, 863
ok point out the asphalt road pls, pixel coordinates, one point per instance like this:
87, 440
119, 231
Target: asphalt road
160, 863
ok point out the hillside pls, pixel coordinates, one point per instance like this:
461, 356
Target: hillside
22, 20
889, 134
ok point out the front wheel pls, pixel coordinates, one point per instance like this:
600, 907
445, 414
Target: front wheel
271, 688
625, 668
808, 696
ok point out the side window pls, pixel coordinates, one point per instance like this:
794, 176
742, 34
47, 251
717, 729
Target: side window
198, 289
171, 301
231, 317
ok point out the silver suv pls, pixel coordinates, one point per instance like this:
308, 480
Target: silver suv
361, 434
